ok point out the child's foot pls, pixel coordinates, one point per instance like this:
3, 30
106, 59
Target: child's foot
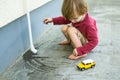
73, 57
64, 42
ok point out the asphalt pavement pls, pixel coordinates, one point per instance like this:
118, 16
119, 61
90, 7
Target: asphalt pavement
51, 62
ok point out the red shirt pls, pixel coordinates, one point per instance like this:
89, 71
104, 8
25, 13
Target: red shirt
87, 27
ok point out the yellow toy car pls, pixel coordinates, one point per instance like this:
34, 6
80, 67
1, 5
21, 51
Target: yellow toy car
86, 64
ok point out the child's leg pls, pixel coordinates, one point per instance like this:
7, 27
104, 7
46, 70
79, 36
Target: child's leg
77, 40
73, 35
64, 31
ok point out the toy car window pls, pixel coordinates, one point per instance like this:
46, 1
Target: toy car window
87, 63
83, 63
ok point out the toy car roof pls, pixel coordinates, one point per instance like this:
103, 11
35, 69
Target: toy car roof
88, 61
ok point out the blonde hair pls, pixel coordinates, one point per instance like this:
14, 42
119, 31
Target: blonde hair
71, 7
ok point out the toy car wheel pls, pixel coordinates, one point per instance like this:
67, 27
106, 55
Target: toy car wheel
78, 67
92, 66
82, 69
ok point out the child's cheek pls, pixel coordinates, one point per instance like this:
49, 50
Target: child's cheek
73, 21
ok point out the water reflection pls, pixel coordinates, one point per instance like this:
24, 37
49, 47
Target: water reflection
32, 61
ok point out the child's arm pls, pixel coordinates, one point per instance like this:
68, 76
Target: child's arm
60, 20
92, 42
56, 21
47, 20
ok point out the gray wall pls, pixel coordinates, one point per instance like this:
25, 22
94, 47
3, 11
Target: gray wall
14, 40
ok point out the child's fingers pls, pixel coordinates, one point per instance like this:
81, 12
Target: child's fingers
75, 52
46, 21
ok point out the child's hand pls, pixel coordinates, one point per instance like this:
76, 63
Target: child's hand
75, 52
47, 20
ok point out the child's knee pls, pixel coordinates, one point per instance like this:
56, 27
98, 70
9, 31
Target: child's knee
71, 30
64, 28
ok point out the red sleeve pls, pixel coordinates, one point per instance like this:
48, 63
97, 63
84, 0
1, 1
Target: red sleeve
60, 20
92, 42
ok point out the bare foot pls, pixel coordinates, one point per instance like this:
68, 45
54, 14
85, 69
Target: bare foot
73, 57
64, 42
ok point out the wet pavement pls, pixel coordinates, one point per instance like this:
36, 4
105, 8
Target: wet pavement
51, 62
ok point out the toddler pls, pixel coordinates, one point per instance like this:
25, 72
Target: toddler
79, 27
